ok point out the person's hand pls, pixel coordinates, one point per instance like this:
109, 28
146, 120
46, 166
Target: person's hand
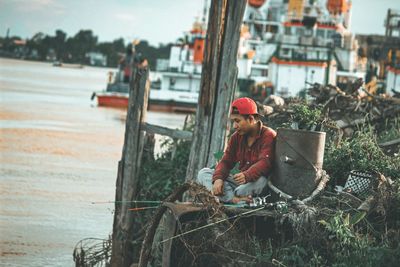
240, 178
218, 187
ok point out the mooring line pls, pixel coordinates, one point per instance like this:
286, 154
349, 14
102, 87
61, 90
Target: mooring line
211, 224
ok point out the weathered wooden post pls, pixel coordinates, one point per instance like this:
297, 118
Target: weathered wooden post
218, 82
128, 168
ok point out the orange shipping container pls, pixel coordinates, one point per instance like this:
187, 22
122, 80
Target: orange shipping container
337, 6
295, 9
198, 50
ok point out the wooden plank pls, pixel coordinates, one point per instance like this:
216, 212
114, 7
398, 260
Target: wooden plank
218, 82
344, 124
199, 148
128, 178
227, 79
174, 134
390, 143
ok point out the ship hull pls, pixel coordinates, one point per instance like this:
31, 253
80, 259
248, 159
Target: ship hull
113, 100
121, 100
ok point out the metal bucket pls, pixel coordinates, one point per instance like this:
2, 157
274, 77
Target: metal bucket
299, 156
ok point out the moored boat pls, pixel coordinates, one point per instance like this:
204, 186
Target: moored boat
113, 99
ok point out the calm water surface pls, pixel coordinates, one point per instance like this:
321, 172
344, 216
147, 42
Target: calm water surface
58, 153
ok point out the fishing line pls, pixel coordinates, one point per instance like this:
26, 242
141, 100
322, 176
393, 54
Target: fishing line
211, 224
127, 201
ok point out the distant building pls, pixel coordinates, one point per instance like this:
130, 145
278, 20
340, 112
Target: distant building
19, 48
96, 59
51, 55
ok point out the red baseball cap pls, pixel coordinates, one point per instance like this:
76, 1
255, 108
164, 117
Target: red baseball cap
245, 106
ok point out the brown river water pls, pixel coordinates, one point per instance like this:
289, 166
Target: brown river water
58, 154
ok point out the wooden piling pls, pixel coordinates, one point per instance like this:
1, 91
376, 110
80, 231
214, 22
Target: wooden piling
218, 82
128, 168
216, 93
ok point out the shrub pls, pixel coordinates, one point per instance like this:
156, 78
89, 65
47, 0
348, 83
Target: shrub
361, 152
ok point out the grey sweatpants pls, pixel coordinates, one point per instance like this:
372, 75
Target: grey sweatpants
231, 188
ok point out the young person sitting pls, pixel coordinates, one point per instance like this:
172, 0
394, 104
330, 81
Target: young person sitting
251, 147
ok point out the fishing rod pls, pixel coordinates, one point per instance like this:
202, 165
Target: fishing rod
143, 208
155, 207
160, 202
128, 201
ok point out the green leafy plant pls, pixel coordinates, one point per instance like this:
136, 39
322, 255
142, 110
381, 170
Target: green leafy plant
361, 152
340, 226
390, 130
307, 117
161, 176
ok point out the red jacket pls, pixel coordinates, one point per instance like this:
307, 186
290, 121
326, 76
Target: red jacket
254, 161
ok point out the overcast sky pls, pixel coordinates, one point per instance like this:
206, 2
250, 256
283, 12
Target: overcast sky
158, 21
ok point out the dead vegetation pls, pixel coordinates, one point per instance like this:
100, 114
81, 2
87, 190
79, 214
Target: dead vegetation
332, 230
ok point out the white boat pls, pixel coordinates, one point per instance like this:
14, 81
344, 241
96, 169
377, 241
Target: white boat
175, 83
178, 82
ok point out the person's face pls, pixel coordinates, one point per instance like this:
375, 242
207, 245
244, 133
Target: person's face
242, 125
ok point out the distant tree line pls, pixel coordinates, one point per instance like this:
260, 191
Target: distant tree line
73, 49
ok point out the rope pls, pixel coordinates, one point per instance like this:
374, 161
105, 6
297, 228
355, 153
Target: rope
278, 191
321, 186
